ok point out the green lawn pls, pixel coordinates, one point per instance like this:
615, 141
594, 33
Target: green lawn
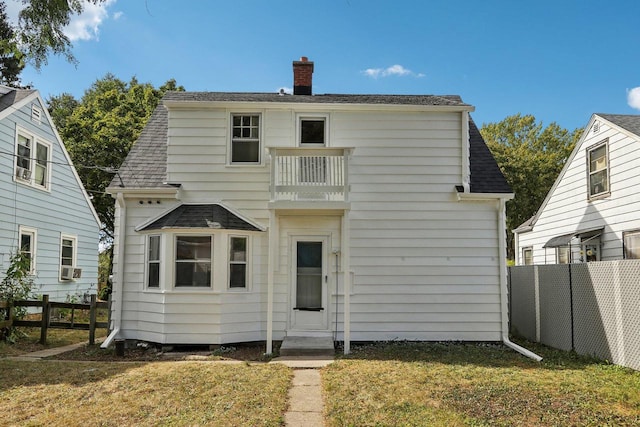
128, 394
411, 384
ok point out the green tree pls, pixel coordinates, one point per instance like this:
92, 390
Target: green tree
531, 157
100, 128
11, 58
41, 28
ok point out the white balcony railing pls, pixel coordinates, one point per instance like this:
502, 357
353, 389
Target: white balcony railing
309, 174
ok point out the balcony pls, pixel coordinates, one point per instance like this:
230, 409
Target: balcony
314, 177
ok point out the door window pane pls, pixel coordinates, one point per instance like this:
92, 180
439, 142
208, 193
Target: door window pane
309, 275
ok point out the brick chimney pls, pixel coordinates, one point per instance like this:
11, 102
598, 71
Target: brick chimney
302, 76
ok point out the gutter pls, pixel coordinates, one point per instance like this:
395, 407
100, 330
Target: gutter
118, 283
502, 230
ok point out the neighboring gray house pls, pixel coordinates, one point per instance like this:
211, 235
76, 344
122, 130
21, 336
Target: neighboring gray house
592, 212
257, 216
44, 209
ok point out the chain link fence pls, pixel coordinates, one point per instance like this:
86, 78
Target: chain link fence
592, 308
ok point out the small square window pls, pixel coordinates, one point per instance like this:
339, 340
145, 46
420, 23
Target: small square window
527, 256
312, 131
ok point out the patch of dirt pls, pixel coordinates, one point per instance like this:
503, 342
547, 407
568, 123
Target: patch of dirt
144, 352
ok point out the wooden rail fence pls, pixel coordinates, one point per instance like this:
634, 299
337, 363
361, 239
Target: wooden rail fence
47, 323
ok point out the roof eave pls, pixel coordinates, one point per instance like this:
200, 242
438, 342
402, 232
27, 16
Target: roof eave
174, 104
485, 196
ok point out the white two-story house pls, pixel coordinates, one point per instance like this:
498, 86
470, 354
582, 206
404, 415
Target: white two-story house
255, 216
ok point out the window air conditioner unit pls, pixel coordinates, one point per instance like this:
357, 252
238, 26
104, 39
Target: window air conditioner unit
66, 272
23, 173
77, 273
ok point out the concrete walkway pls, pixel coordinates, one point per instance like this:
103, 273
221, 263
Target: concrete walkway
305, 395
48, 352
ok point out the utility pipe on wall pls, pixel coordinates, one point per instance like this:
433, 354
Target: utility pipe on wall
502, 234
118, 285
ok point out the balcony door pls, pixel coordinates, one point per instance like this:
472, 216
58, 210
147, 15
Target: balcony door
309, 283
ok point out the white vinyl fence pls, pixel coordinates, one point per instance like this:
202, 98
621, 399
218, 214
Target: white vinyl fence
592, 308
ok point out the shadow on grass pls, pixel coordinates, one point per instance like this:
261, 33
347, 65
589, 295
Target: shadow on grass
15, 373
484, 354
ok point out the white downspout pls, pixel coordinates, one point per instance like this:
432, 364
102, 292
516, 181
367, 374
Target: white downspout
346, 267
502, 230
465, 170
272, 258
118, 282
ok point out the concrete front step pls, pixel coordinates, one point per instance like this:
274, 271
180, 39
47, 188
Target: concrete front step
307, 346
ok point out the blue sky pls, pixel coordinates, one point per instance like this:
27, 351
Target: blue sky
559, 60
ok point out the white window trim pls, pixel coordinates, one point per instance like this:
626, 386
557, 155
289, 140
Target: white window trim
589, 150
174, 261
35, 140
74, 264
312, 116
524, 258
261, 154
34, 245
568, 248
247, 263
148, 261
625, 234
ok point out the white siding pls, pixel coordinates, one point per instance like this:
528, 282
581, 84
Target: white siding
568, 208
423, 265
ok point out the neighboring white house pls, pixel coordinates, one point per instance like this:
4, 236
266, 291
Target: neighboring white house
253, 216
592, 212
44, 209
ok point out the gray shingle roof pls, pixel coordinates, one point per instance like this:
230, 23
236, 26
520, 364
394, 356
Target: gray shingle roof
201, 216
145, 166
434, 100
626, 121
486, 176
13, 97
146, 163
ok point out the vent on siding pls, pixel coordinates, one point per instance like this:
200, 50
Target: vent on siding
596, 127
35, 114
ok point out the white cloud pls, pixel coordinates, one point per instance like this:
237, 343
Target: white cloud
394, 70
86, 25
117, 15
633, 98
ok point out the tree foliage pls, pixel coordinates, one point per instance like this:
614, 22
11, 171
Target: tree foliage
41, 28
100, 128
11, 58
531, 157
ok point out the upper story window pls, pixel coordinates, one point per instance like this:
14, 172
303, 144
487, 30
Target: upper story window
631, 242
28, 246
193, 261
598, 165
245, 139
312, 131
33, 161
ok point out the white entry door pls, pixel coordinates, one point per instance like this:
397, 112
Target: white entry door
309, 285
